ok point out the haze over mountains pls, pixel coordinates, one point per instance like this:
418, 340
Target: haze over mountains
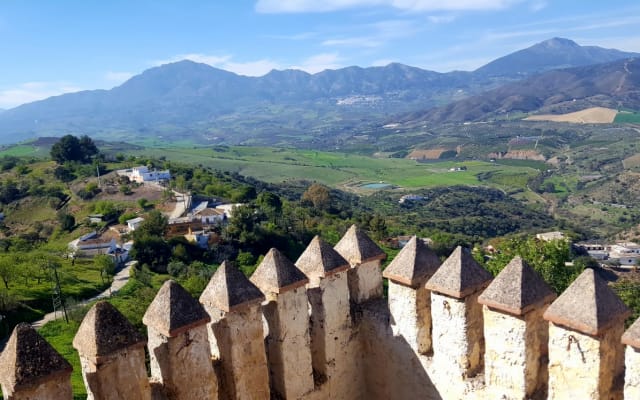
196, 102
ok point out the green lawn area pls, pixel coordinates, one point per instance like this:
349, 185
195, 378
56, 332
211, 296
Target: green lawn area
631, 117
332, 168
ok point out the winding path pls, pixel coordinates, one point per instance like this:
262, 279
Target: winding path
119, 280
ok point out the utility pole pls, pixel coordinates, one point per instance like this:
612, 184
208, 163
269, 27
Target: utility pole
58, 301
98, 171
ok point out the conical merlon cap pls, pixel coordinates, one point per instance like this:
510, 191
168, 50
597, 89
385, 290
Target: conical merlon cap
413, 265
459, 276
588, 305
174, 311
277, 274
229, 289
357, 248
632, 336
517, 289
104, 330
28, 359
320, 259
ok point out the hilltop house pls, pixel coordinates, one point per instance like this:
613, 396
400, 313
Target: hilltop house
142, 174
133, 224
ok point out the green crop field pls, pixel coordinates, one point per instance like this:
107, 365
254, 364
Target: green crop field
632, 117
332, 168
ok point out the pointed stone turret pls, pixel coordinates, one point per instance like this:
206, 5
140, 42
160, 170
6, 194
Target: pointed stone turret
409, 300
178, 344
328, 294
111, 354
365, 257
585, 352
632, 361
459, 276
30, 368
277, 274
516, 333
235, 333
286, 313
320, 260
458, 341
229, 289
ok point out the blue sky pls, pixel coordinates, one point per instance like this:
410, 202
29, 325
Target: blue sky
53, 47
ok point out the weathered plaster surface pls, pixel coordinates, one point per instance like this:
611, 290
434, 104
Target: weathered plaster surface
288, 344
515, 355
365, 281
458, 341
411, 315
183, 364
54, 389
632, 373
583, 366
124, 375
236, 340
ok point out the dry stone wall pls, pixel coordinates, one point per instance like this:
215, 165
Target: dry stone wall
467, 342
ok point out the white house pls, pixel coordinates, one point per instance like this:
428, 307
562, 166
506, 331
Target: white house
210, 216
228, 208
91, 245
134, 223
142, 174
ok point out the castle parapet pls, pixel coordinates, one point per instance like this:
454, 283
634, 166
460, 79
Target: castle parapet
516, 347
586, 356
328, 294
458, 341
409, 300
286, 311
31, 369
178, 344
112, 355
631, 338
365, 257
236, 335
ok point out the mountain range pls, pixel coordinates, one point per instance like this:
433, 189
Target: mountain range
198, 103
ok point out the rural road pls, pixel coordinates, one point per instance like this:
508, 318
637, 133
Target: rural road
119, 280
183, 203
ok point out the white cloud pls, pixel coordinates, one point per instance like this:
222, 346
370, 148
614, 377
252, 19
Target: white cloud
302, 6
320, 62
537, 5
117, 77
33, 91
368, 42
441, 19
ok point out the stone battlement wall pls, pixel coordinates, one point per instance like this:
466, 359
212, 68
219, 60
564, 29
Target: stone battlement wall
319, 328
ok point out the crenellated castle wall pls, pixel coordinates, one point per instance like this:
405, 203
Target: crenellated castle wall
318, 329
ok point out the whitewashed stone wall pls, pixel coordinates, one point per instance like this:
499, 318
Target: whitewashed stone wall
123, 376
55, 389
583, 366
365, 281
411, 315
632, 373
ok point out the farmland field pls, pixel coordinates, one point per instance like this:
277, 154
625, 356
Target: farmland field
337, 169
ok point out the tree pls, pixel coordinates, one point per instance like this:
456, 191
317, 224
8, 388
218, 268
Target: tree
67, 221
153, 251
107, 266
270, 204
8, 269
154, 224
70, 148
318, 195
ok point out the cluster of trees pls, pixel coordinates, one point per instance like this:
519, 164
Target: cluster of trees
73, 149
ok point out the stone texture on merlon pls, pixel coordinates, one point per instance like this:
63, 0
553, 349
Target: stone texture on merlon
459, 275
104, 331
174, 311
320, 259
277, 274
413, 265
28, 359
517, 289
588, 305
632, 336
357, 248
229, 289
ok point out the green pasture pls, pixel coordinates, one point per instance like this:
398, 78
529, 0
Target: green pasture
332, 168
630, 117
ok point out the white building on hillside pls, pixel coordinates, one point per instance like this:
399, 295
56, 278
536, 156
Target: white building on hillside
142, 174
